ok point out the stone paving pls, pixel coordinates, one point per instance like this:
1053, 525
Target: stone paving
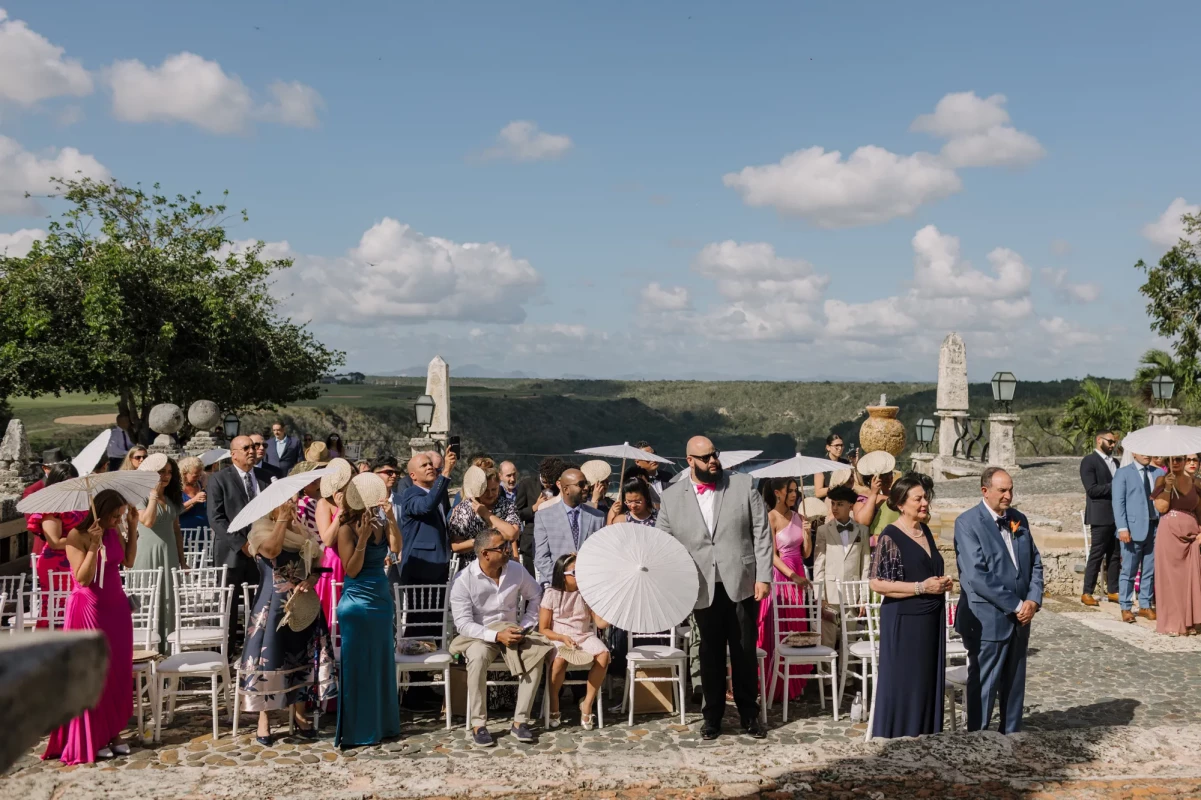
1099, 700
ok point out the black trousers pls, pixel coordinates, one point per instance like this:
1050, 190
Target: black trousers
1104, 547
726, 626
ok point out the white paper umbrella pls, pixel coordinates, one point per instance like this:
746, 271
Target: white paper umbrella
732, 458
210, 457
1163, 440
90, 455
798, 466
76, 494
625, 452
279, 492
637, 578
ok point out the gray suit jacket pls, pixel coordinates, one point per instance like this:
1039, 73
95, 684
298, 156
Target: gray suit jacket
552, 535
832, 562
739, 547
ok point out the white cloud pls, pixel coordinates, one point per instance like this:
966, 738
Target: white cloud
978, 132
939, 271
1061, 334
398, 275
521, 140
873, 185
19, 243
752, 270
665, 298
32, 69
192, 89
1168, 229
22, 171
1066, 290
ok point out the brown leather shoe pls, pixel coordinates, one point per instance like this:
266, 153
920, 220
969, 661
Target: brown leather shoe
1147, 613
1127, 616
1089, 600
1113, 598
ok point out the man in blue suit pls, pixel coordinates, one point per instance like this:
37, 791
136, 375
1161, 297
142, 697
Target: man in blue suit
426, 556
283, 451
1001, 575
1136, 519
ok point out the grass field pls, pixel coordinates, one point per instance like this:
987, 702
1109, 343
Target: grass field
525, 419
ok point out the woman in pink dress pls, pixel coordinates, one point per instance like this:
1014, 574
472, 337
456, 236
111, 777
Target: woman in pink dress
329, 520
50, 542
96, 551
791, 544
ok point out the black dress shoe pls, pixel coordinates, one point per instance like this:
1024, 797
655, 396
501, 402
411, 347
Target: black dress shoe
754, 730
710, 732
265, 741
306, 733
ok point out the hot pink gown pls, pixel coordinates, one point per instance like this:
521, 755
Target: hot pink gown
49, 559
106, 609
789, 541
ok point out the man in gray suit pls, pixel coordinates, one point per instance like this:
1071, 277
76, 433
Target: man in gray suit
722, 521
561, 528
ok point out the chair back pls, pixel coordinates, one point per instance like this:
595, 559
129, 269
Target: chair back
670, 638
857, 602
145, 587
13, 589
203, 607
55, 602
795, 609
421, 612
197, 546
335, 634
202, 577
952, 605
249, 592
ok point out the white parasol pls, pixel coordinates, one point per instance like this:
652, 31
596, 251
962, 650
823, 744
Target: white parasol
1163, 440
77, 494
210, 457
279, 492
637, 578
91, 454
625, 452
732, 458
798, 466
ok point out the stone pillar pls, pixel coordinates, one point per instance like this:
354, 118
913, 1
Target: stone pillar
951, 403
16, 461
949, 428
1002, 450
923, 463
204, 416
1163, 416
165, 419
437, 386
422, 444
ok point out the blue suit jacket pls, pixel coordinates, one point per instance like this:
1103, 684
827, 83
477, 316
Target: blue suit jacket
552, 535
992, 586
423, 524
1130, 509
291, 457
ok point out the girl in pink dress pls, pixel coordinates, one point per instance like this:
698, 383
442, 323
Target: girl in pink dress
98, 602
50, 541
566, 620
791, 543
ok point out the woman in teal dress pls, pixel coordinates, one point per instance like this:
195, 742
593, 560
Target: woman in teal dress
368, 711
160, 543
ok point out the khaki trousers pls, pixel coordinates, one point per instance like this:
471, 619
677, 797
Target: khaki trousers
480, 655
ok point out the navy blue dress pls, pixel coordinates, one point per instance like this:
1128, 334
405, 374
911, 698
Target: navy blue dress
909, 693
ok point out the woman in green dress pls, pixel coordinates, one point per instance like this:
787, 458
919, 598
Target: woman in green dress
160, 543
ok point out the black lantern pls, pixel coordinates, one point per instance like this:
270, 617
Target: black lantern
424, 411
925, 433
1162, 389
230, 425
1003, 386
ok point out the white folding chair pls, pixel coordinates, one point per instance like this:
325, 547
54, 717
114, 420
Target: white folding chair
655, 656
412, 603
55, 603
198, 546
197, 628
956, 650
13, 589
956, 683
143, 587
335, 632
859, 621
196, 608
200, 578
795, 607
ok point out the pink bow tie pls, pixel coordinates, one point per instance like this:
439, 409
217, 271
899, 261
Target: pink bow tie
701, 488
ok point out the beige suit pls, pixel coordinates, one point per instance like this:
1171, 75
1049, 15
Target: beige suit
832, 563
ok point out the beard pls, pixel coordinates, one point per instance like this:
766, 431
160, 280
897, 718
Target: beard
707, 476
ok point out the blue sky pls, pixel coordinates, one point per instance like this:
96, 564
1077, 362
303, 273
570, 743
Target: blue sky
647, 219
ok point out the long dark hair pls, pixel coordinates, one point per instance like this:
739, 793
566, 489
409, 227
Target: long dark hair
770, 486
60, 471
104, 503
558, 578
174, 490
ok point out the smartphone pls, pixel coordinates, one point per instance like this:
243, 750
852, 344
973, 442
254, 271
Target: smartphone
527, 630
453, 446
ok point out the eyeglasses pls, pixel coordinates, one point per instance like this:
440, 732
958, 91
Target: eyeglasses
502, 550
714, 456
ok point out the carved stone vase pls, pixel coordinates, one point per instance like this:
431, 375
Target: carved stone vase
882, 431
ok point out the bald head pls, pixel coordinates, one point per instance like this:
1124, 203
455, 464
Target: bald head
704, 460
572, 486
241, 452
422, 470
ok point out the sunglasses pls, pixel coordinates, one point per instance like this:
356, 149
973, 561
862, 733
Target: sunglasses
570, 572
257, 445
1110, 441
137, 458
714, 456
584, 486
388, 472
244, 449
502, 550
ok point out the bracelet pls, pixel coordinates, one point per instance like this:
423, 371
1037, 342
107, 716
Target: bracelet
917, 589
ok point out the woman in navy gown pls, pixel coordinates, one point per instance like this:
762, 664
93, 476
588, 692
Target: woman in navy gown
908, 571
368, 710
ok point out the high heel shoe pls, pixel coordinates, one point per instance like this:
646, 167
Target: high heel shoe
308, 733
121, 749
555, 720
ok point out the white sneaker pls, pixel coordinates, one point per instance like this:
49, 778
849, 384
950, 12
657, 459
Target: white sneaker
104, 753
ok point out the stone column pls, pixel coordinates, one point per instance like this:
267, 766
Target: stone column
422, 444
1163, 416
949, 428
952, 400
923, 463
16, 461
437, 386
1002, 450
205, 416
165, 419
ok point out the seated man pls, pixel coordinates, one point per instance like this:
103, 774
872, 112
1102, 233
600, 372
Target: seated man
484, 602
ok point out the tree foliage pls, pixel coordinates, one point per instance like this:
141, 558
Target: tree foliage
1093, 410
144, 297
1173, 292
1160, 362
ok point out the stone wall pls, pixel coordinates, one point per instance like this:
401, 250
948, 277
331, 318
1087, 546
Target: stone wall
1059, 569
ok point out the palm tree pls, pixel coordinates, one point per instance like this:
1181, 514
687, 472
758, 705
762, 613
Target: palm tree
1160, 362
1092, 410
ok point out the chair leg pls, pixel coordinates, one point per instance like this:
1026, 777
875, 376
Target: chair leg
546, 705
821, 687
784, 665
173, 689
775, 672
762, 687
446, 694
213, 683
630, 696
682, 676
137, 691
833, 677
467, 725
158, 709
237, 709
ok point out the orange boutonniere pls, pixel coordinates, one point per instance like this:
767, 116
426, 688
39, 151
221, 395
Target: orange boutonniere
1014, 527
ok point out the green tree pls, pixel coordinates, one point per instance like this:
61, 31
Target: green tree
1093, 410
1160, 362
1173, 292
143, 296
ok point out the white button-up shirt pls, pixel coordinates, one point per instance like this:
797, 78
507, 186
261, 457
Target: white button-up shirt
1109, 462
707, 502
1006, 536
476, 601
280, 444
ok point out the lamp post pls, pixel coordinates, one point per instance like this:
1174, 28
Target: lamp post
1003, 386
230, 425
423, 410
925, 433
1162, 389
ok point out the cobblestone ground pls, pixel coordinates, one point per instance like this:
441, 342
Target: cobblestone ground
1110, 714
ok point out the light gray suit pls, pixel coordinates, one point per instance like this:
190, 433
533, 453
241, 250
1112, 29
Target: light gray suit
730, 559
552, 535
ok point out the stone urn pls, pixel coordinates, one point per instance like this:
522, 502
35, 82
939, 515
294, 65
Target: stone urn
882, 431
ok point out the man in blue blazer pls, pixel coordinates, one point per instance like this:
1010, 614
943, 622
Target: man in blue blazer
560, 528
283, 451
1136, 519
426, 556
1001, 575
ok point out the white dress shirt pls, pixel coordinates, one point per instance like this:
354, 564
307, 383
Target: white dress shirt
707, 502
1109, 462
476, 601
1007, 537
280, 444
